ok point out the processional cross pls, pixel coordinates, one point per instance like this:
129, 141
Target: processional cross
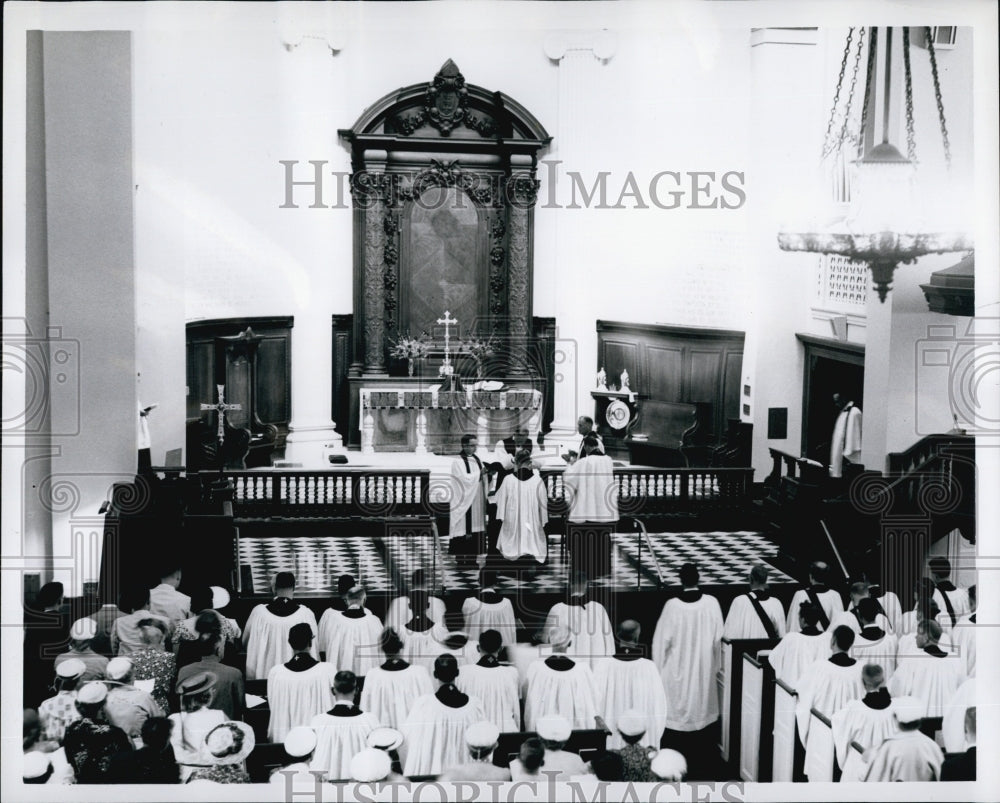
221, 408
447, 321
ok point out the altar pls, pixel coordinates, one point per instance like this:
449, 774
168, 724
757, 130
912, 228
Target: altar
427, 419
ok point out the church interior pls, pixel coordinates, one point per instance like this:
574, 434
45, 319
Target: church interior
359, 266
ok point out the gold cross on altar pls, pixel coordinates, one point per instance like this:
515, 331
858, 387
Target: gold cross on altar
221, 408
447, 321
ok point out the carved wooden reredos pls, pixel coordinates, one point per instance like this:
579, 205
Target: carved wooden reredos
443, 187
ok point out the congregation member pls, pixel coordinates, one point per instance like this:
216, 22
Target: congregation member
295, 772
629, 681
46, 635
756, 614
128, 706
873, 644
392, 687
401, 610
226, 749
669, 766
165, 600
153, 763
867, 721
153, 662
51, 759
592, 494
81, 648
207, 603
300, 688
104, 617
388, 740
92, 741
907, 754
349, 639
827, 686
419, 634
370, 766
933, 674
269, 625
489, 611
342, 731
635, 749
495, 684
126, 637
529, 762
196, 719
467, 513
962, 767
557, 685
952, 601
586, 619
799, 648
522, 510
481, 739
554, 731
963, 636
57, 713
819, 594
434, 731
230, 690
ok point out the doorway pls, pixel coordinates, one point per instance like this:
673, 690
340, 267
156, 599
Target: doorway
831, 366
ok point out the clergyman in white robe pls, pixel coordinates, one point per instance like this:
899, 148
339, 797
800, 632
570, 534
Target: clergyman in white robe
266, 635
498, 688
907, 755
589, 624
469, 486
743, 621
296, 692
392, 687
490, 611
686, 647
522, 509
953, 720
931, 675
846, 439
400, 612
350, 639
559, 685
434, 733
866, 721
591, 489
963, 637
341, 733
829, 600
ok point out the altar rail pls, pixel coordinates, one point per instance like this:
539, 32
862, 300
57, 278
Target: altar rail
663, 491
342, 493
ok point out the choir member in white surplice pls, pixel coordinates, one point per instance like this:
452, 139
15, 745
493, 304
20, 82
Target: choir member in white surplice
890, 605
401, 611
586, 619
266, 634
592, 494
873, 645
342, 731
818, 593
828, 685
866, 721
434, 731
299, 689
469, 487
932, 674
495, 684
349, 639
756, 614
953, 602
453, 639
391, 688
523, 511
490, 611
628, 680
953, 719
420, 641
801, 648
845, 443
963, 636
852, 618
906, 755
481, 739
686, 646
561, 686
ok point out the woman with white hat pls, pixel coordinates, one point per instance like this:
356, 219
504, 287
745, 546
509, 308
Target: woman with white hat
206, 606
225, 749
58, 712
90, 742
195, 722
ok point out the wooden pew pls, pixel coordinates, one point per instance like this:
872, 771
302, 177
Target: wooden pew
783, 760
820, 760
756, 741
729, 680
587, 743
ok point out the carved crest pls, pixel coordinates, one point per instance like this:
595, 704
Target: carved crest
447, 98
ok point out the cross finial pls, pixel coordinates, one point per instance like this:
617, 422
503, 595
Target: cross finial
447, 321
221, 408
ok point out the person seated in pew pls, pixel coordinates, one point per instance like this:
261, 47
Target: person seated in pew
554, 731
496, 684
859, 591
164, 599
481, 739
933, 674
57, 713
294, 773
953, 601
401, 609
341, 732
636, 753
560, 686
299, 689
799, 648
489, 611
207, 604
392, 687
963, 636
873, 644
669, 766
866, 721
586, 619
629, 681
819, 593
529, 762
906, 755
81, 641
230, 688
196, 719
349, 639
269, 626
389, 741
828, 685
756, 614
125, 635
962, 767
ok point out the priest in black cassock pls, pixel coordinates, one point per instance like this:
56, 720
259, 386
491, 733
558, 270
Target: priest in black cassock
469, 487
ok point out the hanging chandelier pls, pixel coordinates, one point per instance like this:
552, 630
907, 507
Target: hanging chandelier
883, 227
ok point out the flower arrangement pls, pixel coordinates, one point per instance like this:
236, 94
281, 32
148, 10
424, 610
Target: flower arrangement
479, 348
411, 348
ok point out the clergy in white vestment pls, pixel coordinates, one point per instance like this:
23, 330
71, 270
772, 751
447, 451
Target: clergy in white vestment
469, 487
629, 680
851, 616
818, 593
890, 605
165, 600
827, 686
686, 646
560, 686
299, 689
350, 639
294, 775
953, 720
963, 636
756, 614
401, 611
489, 611
523, 511
845, 443
591, 488
392, 687
268, 626
495, 684
434, 731
554, 731
342, 731
932, 674
953, 602
800, 648
906, 755
866, 721
453, 639
481, 739
873, 645
421, 644
586, 619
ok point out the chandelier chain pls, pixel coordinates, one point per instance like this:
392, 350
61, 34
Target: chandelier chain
937, 95
872, 42
911, 144
854, 82
828, 145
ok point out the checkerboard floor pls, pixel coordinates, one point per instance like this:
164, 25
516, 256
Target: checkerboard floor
382, 563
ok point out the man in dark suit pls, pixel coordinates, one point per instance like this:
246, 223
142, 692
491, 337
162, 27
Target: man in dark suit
962, 766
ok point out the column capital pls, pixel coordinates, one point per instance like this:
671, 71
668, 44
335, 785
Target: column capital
603, 44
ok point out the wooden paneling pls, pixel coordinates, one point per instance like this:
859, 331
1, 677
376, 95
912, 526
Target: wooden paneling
705, 380
272, 359
665, 372
750, 711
